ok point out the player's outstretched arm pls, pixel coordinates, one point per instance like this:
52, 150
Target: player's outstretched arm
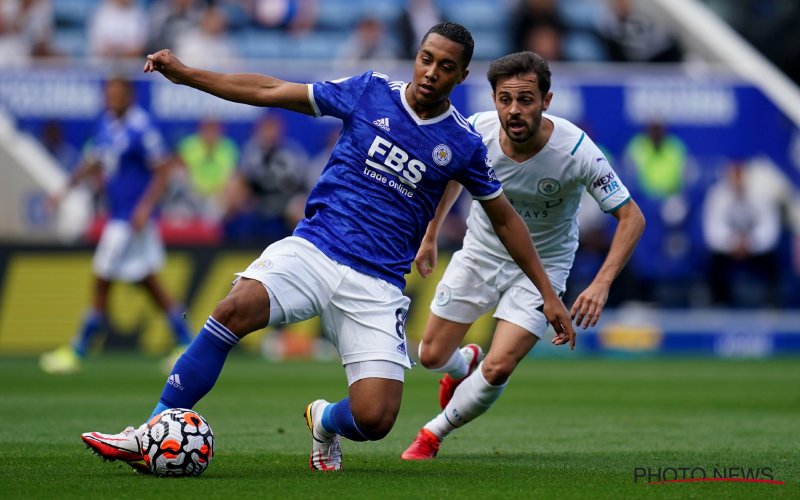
247, 88
427, 254
630, 226
514, 234
88, 167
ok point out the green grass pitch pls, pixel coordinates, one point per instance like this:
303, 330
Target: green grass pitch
565, 428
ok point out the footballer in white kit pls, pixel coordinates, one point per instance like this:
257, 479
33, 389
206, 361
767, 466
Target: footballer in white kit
544, 163
546, 191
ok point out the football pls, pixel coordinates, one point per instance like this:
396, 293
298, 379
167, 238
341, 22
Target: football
177, 442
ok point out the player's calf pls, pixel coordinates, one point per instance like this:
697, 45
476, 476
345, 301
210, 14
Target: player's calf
473, 355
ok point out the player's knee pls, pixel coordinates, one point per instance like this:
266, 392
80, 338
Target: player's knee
430, 357
232, 314
497, 372
376, 423
226, 311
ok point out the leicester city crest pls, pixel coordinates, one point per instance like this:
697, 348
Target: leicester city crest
549, 187
442, 155
261, 264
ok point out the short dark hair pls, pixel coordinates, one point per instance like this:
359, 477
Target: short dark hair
520, 63
121, 80
456, 33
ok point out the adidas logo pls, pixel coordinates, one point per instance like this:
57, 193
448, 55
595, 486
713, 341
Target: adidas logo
382, 123
175, 381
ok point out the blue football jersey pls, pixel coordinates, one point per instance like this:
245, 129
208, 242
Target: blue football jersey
385, 177
128, 148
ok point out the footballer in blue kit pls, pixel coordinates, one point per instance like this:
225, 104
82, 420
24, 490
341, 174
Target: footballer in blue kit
402, 145
384, 179
127, 154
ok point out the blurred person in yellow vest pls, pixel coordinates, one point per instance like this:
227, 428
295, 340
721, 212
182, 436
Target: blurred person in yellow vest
210, 158
659, 161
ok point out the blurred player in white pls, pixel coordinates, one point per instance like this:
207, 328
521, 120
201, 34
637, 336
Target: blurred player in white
128, 157
544, 163
400, 145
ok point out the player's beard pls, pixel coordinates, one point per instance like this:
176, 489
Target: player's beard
527, 133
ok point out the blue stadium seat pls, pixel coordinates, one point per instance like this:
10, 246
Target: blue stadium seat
261, 44
319, 45
477, 14
338, 14
345, 14
489, 44
70, 41
71, 13
581, 14
583, 46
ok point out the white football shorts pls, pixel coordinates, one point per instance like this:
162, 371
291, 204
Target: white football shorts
363, 316
476, 282
124, 255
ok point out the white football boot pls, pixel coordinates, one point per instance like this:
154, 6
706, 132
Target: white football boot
326, 453
125, 446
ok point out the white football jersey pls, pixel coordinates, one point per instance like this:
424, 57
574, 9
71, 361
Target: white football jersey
546, 191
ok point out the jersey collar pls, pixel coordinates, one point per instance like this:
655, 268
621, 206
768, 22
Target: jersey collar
413, 114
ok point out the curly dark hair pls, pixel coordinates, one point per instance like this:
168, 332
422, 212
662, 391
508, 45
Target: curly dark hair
456, 33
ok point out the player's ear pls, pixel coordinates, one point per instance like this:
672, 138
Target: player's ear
463, 75
547, 99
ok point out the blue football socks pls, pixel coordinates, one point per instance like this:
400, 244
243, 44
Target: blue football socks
198, 368
337, 418
93, 322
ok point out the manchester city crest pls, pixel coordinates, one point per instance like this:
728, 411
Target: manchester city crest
442, 295
549, 187
442, 155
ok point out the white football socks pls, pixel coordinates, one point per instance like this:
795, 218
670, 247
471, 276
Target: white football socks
456, 366
473, 397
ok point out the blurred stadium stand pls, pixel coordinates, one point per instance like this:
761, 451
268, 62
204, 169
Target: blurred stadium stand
717, 104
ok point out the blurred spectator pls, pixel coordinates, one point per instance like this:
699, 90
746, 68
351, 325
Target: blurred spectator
26, 28
170, 19
368, 41
118, 29
771, 26
667, 263
742, 229
294, 16
658, 160
208, 43
538, 26
315, 165
414, 21
269, 176
632, 35
52, 138
545, 40
210, 159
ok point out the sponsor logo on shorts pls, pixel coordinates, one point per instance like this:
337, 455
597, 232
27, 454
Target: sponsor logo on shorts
401, 348
443, 295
